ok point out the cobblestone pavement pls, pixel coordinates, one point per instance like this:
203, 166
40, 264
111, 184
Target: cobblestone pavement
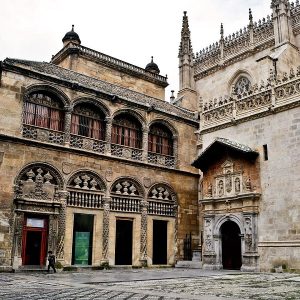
150, 284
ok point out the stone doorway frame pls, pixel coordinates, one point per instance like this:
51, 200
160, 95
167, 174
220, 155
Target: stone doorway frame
212, 253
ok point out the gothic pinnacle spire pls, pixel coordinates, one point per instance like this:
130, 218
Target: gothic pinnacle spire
185, 44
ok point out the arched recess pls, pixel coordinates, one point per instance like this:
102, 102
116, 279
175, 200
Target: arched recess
166, 123
127, 129
39, 172
240, 82
132, 113
89, 118
126, 195
86, 189
221, 221
96, 102
50, 89
44, 107
162, 200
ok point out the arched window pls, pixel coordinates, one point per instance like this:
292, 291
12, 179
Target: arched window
160, 140
127, 131
242, 85
87, 120
43, 109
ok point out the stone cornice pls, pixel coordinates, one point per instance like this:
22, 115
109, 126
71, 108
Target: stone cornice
245, 196
30, 142
110, 62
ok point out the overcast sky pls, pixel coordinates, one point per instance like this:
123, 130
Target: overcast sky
130, 30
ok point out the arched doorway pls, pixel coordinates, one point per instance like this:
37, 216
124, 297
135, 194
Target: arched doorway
231, 246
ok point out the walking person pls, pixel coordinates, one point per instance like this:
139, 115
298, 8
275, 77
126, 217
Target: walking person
51, 260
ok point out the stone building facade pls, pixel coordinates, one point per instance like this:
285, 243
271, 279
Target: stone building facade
98, 167
95, 165
246, 89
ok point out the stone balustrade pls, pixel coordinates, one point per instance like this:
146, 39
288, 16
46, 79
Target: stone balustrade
277, 94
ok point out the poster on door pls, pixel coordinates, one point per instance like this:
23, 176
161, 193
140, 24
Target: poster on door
82, 244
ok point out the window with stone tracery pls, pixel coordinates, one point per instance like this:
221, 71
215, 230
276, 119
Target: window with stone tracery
127, 131
160, 140
88, 121
242, 85
44, 110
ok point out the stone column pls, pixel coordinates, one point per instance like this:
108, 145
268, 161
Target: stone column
61, 226
176, 250
143, 242
108, 135
175, 150
17, 240
105, 233
145, 143
67, 126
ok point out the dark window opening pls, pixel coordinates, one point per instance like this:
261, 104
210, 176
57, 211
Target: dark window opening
45, 111
88, 121
160, 140
127, 131
265, 152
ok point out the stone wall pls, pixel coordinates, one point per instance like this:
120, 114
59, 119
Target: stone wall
278, 219
17, 154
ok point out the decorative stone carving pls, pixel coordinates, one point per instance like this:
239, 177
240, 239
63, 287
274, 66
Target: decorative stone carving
109, 174
208, 235
147, 182
248, 233
126, 187
66, 168
86, 190
143, 242
161, 200
229, 183
38, 184
86, 181
105, 234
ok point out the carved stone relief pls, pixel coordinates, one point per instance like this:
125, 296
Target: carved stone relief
208, 238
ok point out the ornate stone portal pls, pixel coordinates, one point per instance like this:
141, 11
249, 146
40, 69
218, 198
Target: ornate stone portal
39, 196
230, 194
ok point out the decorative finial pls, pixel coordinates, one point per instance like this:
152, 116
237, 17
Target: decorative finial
152, 59
72, 27
222, 31
250, 15
184, 13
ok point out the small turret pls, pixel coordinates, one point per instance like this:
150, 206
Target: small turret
152, 67
71, 36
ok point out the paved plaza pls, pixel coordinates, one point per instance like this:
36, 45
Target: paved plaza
150, 284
